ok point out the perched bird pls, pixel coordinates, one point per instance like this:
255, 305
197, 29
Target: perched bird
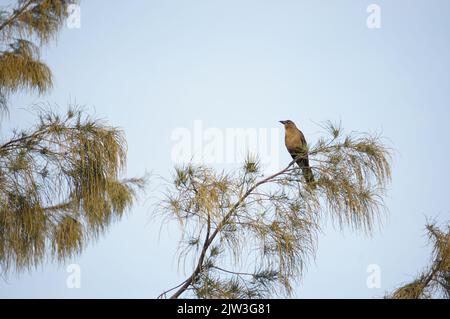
296, 145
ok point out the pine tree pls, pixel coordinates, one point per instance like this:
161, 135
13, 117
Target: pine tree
22, 29
60, 180
434, 281
251, 236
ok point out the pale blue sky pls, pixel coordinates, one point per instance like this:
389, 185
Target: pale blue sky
152, 66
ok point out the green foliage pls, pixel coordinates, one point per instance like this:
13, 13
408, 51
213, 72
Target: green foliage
59, 187
59, 180
268, 226
41, 19
30, 21
21, 69
434, 281
353, 171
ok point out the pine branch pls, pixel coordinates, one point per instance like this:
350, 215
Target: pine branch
16, 14
276, 224
209, 239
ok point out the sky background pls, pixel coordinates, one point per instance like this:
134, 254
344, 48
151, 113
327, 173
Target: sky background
153, 66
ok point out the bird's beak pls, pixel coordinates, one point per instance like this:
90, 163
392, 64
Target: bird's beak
282, 122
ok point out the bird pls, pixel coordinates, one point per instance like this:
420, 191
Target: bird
298, 148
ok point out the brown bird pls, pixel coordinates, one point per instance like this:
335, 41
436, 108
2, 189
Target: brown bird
298, 148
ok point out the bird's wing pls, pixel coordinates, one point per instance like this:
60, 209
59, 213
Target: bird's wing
300, 146
303, 139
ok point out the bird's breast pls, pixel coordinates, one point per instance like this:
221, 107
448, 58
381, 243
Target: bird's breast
292, 140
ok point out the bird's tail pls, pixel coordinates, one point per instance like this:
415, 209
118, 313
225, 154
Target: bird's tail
307, 172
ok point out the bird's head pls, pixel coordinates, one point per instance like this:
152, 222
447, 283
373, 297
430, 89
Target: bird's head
288, 124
